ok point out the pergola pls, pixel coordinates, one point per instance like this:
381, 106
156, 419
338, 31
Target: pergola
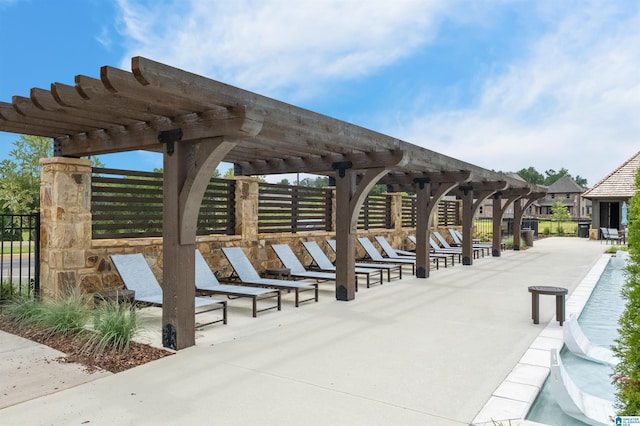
197, 122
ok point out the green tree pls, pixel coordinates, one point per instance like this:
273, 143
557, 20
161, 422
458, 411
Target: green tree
553, 176
626, 377
560, 213
20, 174
531, 175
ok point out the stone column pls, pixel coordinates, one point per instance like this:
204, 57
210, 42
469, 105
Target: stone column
65, 226
247, 209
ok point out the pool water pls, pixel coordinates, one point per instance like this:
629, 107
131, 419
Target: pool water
599, 321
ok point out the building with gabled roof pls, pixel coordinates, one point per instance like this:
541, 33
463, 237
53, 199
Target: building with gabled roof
567, 191
610, 193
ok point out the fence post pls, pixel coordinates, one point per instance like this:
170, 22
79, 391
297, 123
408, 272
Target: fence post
65, 224
247, 208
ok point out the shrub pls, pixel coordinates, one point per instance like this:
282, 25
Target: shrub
114, 325
545, 230
25, 310
66, 314
626, 377
508, 243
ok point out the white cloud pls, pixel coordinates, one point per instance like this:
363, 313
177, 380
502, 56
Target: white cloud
277, 44
572, 102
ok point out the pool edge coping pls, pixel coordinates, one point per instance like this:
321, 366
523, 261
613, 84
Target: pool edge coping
513, 398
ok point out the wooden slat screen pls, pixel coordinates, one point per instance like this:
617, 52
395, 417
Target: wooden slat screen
375, 212
128, 204
283, 208
448, 213
408, 211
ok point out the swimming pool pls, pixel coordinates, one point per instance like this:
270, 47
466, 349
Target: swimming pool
599, 321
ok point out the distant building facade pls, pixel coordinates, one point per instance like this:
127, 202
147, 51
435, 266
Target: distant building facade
569, 193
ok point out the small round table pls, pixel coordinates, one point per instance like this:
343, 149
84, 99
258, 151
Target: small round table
278, 273
559, 292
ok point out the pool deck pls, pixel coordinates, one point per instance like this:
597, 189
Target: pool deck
439, 351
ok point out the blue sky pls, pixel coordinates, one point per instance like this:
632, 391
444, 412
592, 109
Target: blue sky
503, 84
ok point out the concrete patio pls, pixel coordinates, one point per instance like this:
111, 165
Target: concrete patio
415, 351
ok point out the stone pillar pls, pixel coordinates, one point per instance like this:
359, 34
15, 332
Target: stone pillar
247, 209
65, 226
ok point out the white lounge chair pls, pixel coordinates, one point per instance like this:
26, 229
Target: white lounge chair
247, 274
207, 283
580, 405
137, 276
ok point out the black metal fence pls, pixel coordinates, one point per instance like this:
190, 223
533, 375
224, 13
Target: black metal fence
20, 255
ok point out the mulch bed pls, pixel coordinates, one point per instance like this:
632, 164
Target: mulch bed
112, 361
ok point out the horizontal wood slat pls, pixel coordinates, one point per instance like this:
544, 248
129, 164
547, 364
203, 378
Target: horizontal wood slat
128, 204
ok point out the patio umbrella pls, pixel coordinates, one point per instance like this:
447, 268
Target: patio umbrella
625, 211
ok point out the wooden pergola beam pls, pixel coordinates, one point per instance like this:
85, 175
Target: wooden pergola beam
395, 158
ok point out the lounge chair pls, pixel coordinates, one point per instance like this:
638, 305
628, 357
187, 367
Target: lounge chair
297, 270
445, 245
437, 250
374, 255
400, 254
137, 276
578, 404
247, 274
389, 267
457, 240
323, 263
207, 283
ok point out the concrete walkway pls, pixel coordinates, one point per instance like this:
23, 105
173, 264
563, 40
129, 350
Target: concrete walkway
423, 352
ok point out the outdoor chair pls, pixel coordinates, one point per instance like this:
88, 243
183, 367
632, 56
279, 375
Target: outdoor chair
456, 236
437, 250
207, 283
297, 270
247, 274
389, 267
616, 237
374, 255
445, 245
401, 254
137, 276
323, 263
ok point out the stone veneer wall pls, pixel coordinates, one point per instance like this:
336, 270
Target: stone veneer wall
70, 258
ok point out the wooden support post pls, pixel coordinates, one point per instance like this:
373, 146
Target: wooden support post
345, 236
496, 246
349, 199
178, 272
423, 192
188, 167
517, 223
467, 225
